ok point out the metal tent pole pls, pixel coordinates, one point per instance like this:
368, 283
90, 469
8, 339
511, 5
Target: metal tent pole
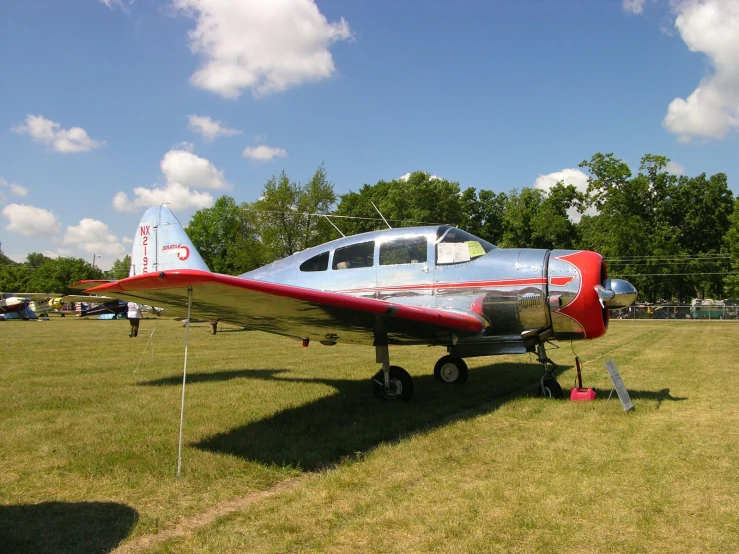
184, 379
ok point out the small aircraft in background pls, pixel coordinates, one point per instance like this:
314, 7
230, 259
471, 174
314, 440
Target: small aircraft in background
435, 285
30, 305
15, 306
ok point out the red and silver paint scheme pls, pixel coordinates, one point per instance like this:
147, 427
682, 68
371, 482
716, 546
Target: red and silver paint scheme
421, 285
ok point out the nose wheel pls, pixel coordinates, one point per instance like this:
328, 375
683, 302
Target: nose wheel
548, 385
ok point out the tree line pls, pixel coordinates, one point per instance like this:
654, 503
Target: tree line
674, 237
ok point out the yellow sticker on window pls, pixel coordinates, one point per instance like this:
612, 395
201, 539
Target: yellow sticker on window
476, 248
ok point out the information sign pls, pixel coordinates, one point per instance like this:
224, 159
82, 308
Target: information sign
618, 384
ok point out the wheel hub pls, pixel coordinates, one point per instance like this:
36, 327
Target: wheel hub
449, 372
393, 388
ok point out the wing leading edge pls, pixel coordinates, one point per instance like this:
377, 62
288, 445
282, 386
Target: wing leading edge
291, 311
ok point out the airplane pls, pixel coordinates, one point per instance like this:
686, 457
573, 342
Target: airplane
435, 285
14, 306
42, 303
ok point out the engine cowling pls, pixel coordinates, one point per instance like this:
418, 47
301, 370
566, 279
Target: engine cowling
581, 294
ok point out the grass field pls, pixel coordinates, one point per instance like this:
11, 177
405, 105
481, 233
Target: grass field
286, 450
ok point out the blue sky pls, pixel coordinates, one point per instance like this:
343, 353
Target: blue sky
110, 105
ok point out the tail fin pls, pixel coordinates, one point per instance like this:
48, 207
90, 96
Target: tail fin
161, 243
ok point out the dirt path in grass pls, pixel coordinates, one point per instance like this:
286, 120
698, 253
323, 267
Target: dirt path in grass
193, 523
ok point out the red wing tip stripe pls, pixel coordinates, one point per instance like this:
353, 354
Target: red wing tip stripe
193, 277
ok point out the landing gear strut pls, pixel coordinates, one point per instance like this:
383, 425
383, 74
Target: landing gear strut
391, 382
548, 385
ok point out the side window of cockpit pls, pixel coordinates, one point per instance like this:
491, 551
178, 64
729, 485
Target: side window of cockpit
356, 255
457, 246
403, 251
316, 263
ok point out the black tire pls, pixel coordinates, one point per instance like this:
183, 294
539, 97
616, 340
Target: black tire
401, 385
450, 369
550, 388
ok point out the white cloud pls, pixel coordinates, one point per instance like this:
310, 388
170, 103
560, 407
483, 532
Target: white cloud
712, 109
674, 168
11, 189
128, 241
263, 153
634, 6
31, 221
184, 167
183, 173
210, 129
66, 141
177, 196
265, 46
569, 176
94, 237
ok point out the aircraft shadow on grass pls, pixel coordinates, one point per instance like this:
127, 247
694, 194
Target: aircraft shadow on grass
351, 422
65, 526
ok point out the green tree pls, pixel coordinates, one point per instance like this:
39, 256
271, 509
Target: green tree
551, 226
420, 199
15, 278
4, 260
520, 213
120, 269
226, 237
290, 217
483, 213
656, 228
731, 243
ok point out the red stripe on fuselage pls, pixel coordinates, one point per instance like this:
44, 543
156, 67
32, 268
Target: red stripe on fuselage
561, 281
532, 281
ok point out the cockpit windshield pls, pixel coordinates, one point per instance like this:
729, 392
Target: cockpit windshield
454, 246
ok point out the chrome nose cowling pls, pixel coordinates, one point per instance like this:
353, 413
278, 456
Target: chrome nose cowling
616, 293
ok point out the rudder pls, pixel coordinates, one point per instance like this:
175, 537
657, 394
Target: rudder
161, 244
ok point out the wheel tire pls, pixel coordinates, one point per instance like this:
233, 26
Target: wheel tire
550, 388
401, 384
450, 369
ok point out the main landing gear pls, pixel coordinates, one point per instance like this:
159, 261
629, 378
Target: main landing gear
548, 385
395, 383
392, 382
450, 369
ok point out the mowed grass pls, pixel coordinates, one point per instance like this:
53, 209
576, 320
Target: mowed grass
88, 445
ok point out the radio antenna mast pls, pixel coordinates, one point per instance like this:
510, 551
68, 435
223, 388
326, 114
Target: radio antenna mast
382, 216
334, 226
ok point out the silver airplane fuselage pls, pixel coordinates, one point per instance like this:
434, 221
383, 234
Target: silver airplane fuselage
525, 296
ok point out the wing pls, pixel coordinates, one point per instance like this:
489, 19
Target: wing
292, 311
90, 283
89, 299
36, 295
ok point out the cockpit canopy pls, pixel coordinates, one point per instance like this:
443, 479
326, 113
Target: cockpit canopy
451, 246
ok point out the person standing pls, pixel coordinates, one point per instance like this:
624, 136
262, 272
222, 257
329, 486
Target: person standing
134, 315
